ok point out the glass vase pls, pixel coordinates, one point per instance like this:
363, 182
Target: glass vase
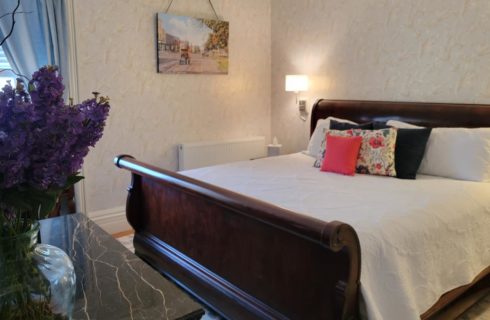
57, 268
26, 278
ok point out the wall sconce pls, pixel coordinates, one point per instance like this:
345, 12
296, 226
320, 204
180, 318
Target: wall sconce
298, 83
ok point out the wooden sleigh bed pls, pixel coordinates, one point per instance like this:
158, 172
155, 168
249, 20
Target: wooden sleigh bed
248, 259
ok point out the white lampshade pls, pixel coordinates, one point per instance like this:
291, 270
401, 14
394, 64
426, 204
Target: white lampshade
296, 83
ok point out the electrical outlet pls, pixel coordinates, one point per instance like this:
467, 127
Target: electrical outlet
302, 105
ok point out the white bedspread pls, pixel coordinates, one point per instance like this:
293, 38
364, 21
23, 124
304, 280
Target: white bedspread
419, 238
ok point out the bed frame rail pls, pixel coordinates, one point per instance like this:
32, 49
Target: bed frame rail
240, 255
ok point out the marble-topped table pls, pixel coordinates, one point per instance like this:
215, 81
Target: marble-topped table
113, 283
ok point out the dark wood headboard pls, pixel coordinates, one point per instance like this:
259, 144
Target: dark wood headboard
419, 113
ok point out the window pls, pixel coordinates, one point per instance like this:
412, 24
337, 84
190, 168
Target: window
5, 75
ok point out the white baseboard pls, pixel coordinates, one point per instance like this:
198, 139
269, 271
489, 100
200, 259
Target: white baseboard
112, 220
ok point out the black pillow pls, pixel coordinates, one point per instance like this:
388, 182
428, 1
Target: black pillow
409, 150
336, 125
377, 125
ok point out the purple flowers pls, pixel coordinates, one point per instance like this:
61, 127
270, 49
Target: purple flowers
42, 140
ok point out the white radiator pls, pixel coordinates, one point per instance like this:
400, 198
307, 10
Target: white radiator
203, 154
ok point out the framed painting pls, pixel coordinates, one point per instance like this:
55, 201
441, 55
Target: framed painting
187, 45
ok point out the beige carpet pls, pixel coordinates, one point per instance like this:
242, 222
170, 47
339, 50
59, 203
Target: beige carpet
480, 311
127, 241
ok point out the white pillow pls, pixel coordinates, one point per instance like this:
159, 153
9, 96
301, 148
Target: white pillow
402, 125
322, 126
458, 153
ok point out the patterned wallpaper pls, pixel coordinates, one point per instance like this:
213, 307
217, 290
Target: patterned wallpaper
151, 112
416, 50
399, 50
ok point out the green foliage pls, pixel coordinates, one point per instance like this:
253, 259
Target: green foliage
24, 292
38, 310
36, 203
219, 38
29, 204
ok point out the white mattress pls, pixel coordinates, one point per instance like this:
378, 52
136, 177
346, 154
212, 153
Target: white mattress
419, 238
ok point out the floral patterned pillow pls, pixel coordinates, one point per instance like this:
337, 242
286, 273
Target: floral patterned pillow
321, 155
377, 154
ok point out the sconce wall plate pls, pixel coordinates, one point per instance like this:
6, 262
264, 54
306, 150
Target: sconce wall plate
298, 83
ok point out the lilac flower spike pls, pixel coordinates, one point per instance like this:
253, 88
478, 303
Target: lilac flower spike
42, 140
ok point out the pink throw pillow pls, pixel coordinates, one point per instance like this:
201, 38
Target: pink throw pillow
341, 155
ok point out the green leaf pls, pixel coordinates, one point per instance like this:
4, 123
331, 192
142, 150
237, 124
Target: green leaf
32, 200
70, 181
73, 179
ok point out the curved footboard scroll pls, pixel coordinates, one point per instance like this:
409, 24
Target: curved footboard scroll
245, 258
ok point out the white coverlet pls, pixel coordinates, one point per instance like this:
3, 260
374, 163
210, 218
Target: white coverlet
419, 238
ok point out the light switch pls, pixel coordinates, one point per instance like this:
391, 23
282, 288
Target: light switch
302, 105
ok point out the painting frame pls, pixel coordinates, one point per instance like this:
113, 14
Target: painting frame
189, 45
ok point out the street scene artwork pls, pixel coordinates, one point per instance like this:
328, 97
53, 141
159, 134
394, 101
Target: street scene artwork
192, 45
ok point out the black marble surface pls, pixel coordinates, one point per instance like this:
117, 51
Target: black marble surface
113, 283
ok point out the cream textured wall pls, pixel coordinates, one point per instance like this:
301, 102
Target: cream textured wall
416, 50
151, 112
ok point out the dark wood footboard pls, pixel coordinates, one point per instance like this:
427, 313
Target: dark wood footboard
245, 258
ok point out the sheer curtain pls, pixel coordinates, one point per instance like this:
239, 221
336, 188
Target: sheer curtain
40, 35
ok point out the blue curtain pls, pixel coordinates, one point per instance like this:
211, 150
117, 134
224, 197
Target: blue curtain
39, 37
